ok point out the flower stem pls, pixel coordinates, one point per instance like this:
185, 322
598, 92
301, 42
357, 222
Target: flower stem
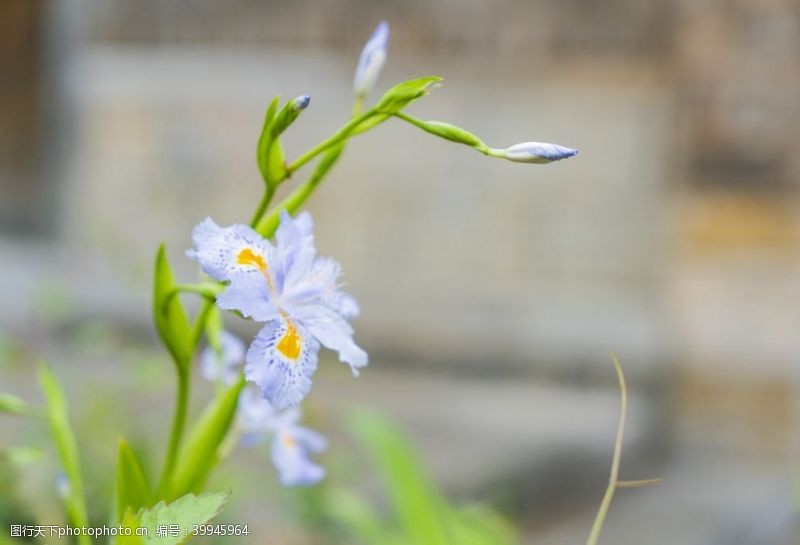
338, 137
178, 424
267, 226
262, 205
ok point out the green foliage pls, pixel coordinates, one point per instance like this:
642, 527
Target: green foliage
403, 94
420, 515
132, 491
184, 512
129, 521
169, 315
67, 448
199, 454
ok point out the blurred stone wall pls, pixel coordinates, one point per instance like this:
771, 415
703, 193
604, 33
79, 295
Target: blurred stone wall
455, 258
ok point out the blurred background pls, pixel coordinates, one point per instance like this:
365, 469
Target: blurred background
492, 293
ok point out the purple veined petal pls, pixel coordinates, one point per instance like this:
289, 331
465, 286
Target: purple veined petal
343, 303
224, 251
226, 365
372, 59
537, 152
281, 361
313, 284
291, 459
334, 333
250, 294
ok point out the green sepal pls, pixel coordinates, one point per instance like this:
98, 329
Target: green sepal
168, 313
57, 415
402, 94
132, 492
199, 451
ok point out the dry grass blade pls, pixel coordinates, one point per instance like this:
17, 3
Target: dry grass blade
613, 480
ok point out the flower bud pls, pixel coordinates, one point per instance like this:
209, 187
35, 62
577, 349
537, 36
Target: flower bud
451, 132
372, 59
535, 152
301, 103
289, 113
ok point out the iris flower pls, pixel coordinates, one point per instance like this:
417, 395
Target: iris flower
294, 291
291, 443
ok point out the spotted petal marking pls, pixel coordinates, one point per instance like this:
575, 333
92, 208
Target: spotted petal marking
282, 360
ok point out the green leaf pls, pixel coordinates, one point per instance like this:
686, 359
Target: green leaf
131, 522
478, 525
12, 404
184, 512
357, 516
132, 490
168, 313
20, 457
402, 94
67, 448
419, 507
199, 453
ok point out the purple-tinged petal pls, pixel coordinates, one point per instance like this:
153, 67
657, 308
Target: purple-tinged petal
281, 361
224, 251
372, 59
537, 152
250, 294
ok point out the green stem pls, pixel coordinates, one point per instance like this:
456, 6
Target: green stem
207, 290
358, 104
411, 119
178, 424
338, 137
292, 203
262, 205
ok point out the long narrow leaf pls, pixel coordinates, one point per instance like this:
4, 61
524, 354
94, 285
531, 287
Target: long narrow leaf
64, 439
419, 508
11, 404
132, 492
